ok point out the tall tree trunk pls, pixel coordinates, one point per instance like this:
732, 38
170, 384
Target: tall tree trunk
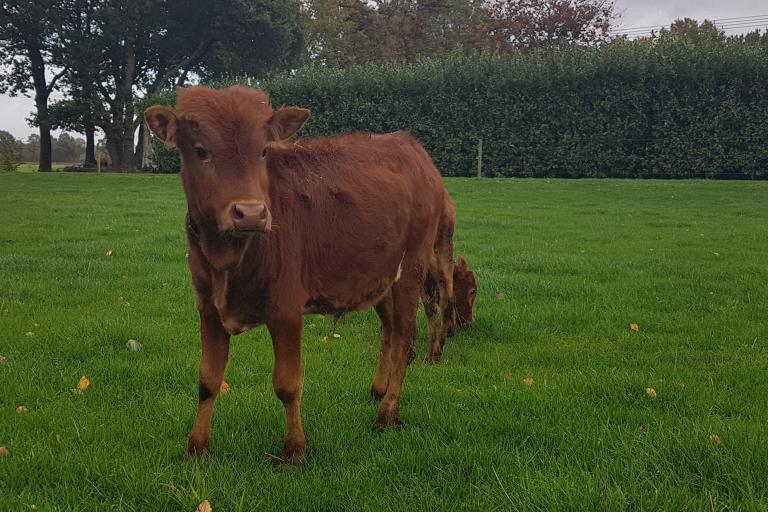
45, 159
90, 144
41, 104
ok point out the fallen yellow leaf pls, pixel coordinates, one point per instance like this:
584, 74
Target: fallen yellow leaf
714, 439
22, 409
83, 383
716, 253
508, 377
337, 336
325, 340
4, 452
204, 506
634, 327
224, 389
651, 393
681, 385
109, 252
528, 381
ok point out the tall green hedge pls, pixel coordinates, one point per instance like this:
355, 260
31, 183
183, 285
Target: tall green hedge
663, 109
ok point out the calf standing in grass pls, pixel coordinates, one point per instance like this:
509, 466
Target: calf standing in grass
279, 229
449, 287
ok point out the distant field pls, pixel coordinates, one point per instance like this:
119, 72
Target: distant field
563, 268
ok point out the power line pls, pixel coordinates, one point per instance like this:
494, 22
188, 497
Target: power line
731, 23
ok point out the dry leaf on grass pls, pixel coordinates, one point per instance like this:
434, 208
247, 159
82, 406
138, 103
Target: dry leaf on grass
634, 327
109, 252
337, 336
325, 340
528, 381
4, 451
224, 389
83, 383
133, 345
651, 393
714, 439
508, 377
204, 506
22, 409
500, 296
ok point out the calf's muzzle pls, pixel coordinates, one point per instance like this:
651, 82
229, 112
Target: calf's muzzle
249, 218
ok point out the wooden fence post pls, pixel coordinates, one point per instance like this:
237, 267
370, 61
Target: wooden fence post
480, 158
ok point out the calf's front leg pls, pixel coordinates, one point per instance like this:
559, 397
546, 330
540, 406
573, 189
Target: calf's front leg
215, 342
286, 381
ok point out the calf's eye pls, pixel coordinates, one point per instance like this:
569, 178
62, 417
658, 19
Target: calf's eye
201, 152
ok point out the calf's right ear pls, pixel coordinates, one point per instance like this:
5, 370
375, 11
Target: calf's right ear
162, 121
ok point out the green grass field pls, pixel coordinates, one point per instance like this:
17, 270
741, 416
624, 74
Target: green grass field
563, 268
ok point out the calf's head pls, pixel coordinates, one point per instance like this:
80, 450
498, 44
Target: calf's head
464, 292
223, 137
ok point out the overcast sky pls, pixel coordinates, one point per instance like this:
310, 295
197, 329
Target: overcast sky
634, 13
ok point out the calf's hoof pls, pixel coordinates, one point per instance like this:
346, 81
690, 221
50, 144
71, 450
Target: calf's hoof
197, 448
294, 452
388, 420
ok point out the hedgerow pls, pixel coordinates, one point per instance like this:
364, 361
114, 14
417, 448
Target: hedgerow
658, 109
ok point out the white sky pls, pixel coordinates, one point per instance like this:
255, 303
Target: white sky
634, 13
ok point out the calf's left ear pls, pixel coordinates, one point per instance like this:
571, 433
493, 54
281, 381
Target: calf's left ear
162, 121
287, 121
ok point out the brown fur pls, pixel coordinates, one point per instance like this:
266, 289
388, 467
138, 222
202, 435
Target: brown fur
346, 214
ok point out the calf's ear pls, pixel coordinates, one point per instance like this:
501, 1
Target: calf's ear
162, 121
287, 121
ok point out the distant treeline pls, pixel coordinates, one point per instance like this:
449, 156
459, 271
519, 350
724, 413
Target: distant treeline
663, 108
65, 149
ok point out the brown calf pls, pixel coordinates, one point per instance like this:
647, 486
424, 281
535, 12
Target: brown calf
277, 229
449, 286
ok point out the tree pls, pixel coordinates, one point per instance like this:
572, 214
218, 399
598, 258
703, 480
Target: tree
30, 150
356, 31
512, 24
28, 29
704, 34
68, 149
9, 154
129, 48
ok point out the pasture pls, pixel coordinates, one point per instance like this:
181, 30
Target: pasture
541, 406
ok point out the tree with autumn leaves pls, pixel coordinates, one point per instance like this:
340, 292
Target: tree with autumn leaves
358, 31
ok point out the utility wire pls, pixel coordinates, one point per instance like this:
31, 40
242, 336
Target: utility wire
731, 23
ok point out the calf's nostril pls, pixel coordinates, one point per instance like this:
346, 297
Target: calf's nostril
237, 213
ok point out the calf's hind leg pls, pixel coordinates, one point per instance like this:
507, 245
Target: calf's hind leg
405, 301
380, 380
